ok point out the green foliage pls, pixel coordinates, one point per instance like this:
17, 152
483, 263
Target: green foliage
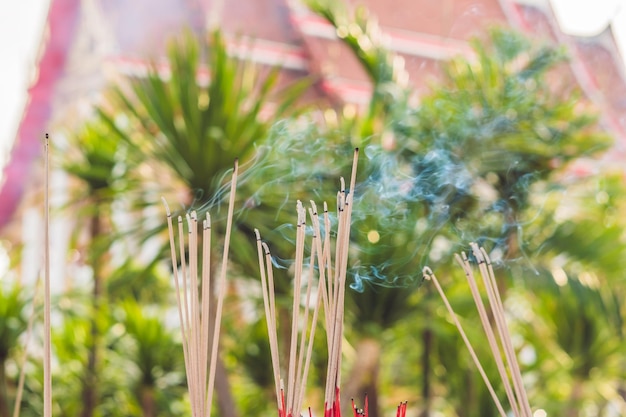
465, 165
480, 158
361, 34
93, 157
500, 118
12, 325
153, 350
146, 285
194, 127
12, 319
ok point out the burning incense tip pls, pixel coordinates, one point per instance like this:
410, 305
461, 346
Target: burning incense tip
257, 234
486, 256
167, 207
267, 248
427, 273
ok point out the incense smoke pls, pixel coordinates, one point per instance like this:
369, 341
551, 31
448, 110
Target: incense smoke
413, 205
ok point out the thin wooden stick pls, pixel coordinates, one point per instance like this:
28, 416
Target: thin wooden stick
273, 324
183, 276
268, 315
300, 383
429, 275
193, 307
179, 302
310, 344
335, 312
498, 311
495, 349
47, 359
206, 299
222, 294
321, 260
330, 296
293, 347
270, 285
329, 263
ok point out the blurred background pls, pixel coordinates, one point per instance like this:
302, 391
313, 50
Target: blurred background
501, 122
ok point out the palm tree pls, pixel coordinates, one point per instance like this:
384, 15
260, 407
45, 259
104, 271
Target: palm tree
189, 131
92, 159
152, 350
577, 298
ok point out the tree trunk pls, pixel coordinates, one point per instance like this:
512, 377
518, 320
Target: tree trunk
363, 378
225, 401
4, 398
148, 403
427, 337
223, 392
573, 407
90, 388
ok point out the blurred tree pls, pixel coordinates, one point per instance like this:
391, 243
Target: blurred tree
191, 130
577, 297
93, 160
12, 325
160, 377
464, 160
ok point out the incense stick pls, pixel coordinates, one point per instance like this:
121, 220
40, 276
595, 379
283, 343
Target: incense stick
47, 375
495, 349
270, 316
194, 303
330, 296
516, 395
181, 319
429, 275
222, 287
484, 264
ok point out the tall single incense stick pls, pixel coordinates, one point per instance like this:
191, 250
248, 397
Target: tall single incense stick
47, 376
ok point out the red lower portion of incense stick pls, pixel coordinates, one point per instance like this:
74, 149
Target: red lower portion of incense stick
335, 410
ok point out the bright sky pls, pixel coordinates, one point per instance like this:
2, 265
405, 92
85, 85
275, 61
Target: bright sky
21, 28
22, 22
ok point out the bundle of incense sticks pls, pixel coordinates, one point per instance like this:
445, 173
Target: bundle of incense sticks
193, 299
330, 293
516, 395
